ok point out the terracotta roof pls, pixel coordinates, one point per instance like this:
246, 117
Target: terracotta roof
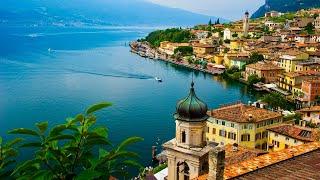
302, 73
202, 45
242, 113
292, 53
296, 132
310, 109
297, 162
241, 154
264, 66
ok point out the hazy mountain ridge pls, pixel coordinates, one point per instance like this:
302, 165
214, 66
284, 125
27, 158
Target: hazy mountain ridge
102, 12
285, 6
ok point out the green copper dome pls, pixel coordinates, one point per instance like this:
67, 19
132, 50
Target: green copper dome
191, 108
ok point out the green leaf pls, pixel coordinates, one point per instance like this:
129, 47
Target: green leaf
57, 129
122, 154
97, 107
13, 142
78, 118
25, 165
98, 141
32, 144
24, 131
102, 131
0, 140
42, 175
61, 137
102, 153
128, 141
42, 126
88, 174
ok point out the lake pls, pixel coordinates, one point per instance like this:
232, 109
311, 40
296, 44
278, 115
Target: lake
54, 73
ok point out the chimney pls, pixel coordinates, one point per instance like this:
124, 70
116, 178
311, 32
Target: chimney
235, 147
216, 163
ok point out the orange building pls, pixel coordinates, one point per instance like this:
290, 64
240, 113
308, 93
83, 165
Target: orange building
310, 89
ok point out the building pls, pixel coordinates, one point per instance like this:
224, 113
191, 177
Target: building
201, 49
272, 25
291, 81
272, 14
288, 135
169, 47
289, 59
308, 66
187, 153
242, 124
316, 23
311, 114
310, 91
246, 24
239, 62
268, 71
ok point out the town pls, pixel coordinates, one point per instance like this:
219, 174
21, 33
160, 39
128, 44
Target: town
278, 54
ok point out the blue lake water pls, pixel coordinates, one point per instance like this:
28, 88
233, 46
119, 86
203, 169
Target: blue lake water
88, 65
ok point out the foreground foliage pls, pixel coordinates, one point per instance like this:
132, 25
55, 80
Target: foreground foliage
76, 149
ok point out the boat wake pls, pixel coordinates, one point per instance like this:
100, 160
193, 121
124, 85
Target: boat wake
120, 75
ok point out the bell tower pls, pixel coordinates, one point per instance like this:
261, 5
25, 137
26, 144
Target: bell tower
246, 24
187, 153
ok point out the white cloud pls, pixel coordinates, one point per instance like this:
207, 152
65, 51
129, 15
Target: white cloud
228, 9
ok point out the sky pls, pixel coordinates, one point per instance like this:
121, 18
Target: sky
228, 9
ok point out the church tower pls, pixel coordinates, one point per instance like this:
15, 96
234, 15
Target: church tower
187, 153
246, 24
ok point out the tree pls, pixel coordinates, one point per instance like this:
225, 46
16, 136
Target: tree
255, 57
184, 50
76, 149
309, 28
175, 35
315, 16
234, 35
275, 100
190, 59
218, 21
210, 22
253, 79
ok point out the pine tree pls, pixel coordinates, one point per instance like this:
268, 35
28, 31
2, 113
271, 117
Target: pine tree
218, 21
210, 22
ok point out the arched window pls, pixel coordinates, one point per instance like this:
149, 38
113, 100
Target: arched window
183, 137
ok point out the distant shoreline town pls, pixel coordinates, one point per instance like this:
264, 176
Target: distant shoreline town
279, 52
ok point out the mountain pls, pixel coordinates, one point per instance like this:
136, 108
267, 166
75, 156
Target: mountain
285, 6
95, 12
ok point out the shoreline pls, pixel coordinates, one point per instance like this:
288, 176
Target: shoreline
145, 51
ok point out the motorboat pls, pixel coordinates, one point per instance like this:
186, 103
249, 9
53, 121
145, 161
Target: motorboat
158, 79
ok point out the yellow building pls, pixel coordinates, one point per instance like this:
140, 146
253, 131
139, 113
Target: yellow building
289, 60
202, 49
291, 81
242, 124
169, 47
236, 45
219, 59
288, 135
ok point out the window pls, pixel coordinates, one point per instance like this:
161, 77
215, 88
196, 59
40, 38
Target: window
286, 146
208, 130
232, 135
213, 130
250, 126
295, 141
287, 139
308, 114
264, 134
258, 136
183, 137
222, 133
223, 123
245, 137
232, 125
217, 121
276, 134
245, 126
